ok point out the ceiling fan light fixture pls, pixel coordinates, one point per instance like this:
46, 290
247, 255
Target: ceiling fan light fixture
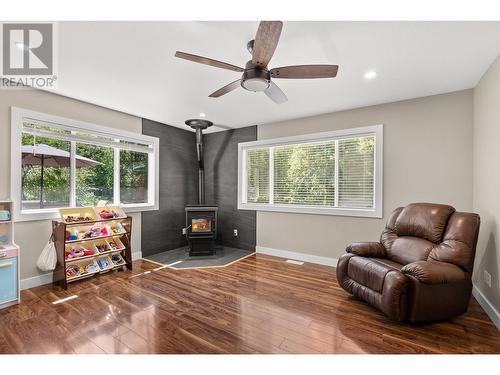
255, 84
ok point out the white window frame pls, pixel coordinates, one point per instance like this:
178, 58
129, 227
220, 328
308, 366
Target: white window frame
376, 212
17, 118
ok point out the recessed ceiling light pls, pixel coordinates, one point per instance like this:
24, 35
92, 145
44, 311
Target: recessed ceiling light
202, 114
371, 74
20, 45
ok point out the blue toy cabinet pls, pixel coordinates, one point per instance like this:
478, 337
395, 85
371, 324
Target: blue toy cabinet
9, 258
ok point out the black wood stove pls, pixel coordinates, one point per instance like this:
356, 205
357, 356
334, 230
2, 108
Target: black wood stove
201, 224
201, 219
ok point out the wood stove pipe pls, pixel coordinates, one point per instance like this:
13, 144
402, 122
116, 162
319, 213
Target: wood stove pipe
198, 125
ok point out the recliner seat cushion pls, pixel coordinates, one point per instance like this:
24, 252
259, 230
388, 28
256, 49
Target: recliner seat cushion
389, 263
387, 287
406, 250
368, 272
424, 220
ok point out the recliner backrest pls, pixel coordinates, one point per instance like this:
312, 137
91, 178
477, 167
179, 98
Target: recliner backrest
424, 220
426, 231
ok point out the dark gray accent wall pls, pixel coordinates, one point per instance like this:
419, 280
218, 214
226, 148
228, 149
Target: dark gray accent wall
162, 229
221, 182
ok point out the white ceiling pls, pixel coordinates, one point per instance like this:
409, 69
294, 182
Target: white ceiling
130, 66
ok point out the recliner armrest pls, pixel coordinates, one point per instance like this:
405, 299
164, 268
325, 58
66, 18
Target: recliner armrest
367, 249
429, 272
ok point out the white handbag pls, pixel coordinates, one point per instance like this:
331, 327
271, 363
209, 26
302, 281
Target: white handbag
48, 258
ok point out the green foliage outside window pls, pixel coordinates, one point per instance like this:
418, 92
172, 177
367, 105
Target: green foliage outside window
92, 183
304, 174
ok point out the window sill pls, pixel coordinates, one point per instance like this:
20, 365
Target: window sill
51, 214
373, 213
140, 207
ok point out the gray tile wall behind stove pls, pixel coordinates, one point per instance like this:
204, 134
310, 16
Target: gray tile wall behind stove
162, 229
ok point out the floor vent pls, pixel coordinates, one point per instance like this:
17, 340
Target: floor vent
298, 263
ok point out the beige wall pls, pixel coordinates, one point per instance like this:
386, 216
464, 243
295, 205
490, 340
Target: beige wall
32, 236
427, 157
486, 179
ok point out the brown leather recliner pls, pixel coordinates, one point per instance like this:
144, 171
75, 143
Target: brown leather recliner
421, 269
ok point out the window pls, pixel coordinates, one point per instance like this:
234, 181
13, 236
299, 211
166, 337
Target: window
63, 163
258, 176
95, 178
334, 173
133, 177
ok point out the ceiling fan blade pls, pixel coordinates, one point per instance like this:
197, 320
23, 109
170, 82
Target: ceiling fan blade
305, 71
275, 93
266, 40
228, 88
208, 61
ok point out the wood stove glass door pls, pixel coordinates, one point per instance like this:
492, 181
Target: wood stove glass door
201, 225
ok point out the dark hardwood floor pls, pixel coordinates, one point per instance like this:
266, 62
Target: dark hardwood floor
258, 305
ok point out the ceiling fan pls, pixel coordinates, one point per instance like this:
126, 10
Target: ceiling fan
256, 76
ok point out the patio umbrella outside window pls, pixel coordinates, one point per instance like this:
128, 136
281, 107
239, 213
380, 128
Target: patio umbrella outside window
48, 156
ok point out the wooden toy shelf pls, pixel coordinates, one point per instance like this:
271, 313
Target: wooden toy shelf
121, 239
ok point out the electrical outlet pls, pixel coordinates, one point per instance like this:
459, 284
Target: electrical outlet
487, 278
184, 231
235, 232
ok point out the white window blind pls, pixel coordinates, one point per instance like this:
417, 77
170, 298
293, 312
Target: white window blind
258, 175
356, 167
305, 174
334, 173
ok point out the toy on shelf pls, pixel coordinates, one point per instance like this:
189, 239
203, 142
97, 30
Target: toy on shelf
110, 212
4, 215
76, 215
106, 231
4, 238
89, 252
104, 263
117, 259
79, 219
72, 235
91, 267
78, 251
82, 268
115, 244
75, 252
93, 232
118, 228
72, 271
102, 247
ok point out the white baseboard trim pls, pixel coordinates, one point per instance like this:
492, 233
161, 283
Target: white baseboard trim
46, 278
332, 262
31, 282
485, 303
